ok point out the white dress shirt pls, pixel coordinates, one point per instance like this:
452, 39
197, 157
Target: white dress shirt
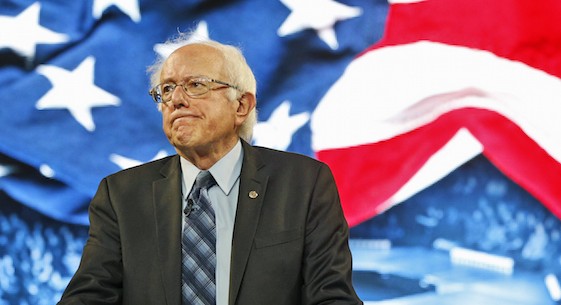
224, 200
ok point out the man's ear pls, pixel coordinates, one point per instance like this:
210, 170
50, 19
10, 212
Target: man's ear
246, 105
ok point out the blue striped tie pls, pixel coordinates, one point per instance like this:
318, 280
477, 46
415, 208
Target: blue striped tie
198, 244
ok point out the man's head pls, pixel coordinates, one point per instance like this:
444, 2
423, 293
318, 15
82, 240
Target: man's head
207, 94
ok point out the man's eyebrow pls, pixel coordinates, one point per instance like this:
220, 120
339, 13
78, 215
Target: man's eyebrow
186, 78
165, 80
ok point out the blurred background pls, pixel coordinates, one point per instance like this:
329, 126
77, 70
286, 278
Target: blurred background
438, 118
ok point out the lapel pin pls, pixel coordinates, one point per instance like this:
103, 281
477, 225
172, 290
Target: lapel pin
253, 194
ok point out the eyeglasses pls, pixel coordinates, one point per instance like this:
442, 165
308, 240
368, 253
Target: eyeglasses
194, 87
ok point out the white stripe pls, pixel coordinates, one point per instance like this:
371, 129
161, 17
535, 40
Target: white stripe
392, 90
460, 149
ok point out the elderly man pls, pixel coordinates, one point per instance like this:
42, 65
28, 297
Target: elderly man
221, 222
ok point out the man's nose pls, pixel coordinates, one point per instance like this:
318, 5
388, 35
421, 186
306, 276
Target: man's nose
179, 97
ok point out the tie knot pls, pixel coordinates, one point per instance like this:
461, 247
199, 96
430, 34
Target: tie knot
204, 180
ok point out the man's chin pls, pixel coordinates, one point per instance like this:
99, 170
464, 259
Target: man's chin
182, 142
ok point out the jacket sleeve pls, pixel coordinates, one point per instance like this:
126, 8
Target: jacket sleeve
98, 280
327, 267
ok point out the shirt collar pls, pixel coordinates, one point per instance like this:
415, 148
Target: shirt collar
226, 171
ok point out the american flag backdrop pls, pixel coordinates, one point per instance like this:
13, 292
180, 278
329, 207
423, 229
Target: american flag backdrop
393, 96
449, 80
74, 83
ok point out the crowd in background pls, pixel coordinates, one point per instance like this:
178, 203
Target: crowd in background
38, 255
486, 213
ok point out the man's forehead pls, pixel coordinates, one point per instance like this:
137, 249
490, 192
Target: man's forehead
193, 59
196, 51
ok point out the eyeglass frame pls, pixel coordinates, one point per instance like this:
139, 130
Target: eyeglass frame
153, 91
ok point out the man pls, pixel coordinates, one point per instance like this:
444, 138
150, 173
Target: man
280, 235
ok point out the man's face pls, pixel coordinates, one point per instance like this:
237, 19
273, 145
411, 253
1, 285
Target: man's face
206, 123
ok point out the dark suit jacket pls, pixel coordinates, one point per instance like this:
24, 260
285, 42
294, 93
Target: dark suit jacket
290, 243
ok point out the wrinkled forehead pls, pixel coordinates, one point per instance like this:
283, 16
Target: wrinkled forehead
193, 60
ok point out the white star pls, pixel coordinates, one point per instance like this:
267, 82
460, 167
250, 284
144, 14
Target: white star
320, 15
75, 90
128, 7
124, 162
46, 171
201, 33
277, 132
22, 33
6, 170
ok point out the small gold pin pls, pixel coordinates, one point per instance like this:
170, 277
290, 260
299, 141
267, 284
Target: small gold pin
253, 194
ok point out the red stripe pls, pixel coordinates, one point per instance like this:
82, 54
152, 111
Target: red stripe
521, 30
368, 175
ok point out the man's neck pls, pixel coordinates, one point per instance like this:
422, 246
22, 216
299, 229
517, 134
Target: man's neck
205, 157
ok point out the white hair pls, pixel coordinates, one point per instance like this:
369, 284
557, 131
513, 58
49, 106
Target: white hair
236, 68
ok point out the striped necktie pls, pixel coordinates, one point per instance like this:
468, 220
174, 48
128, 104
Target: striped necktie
198, 244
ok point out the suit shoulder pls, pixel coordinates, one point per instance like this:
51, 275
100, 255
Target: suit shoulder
285, 158
143, 170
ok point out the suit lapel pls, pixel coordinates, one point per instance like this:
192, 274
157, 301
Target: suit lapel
167, 211
167, 207
253, 184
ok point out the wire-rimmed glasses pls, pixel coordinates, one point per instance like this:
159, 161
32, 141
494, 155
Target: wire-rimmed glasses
194, 87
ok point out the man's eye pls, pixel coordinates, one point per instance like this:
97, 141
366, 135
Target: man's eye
167, 88
196, 84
